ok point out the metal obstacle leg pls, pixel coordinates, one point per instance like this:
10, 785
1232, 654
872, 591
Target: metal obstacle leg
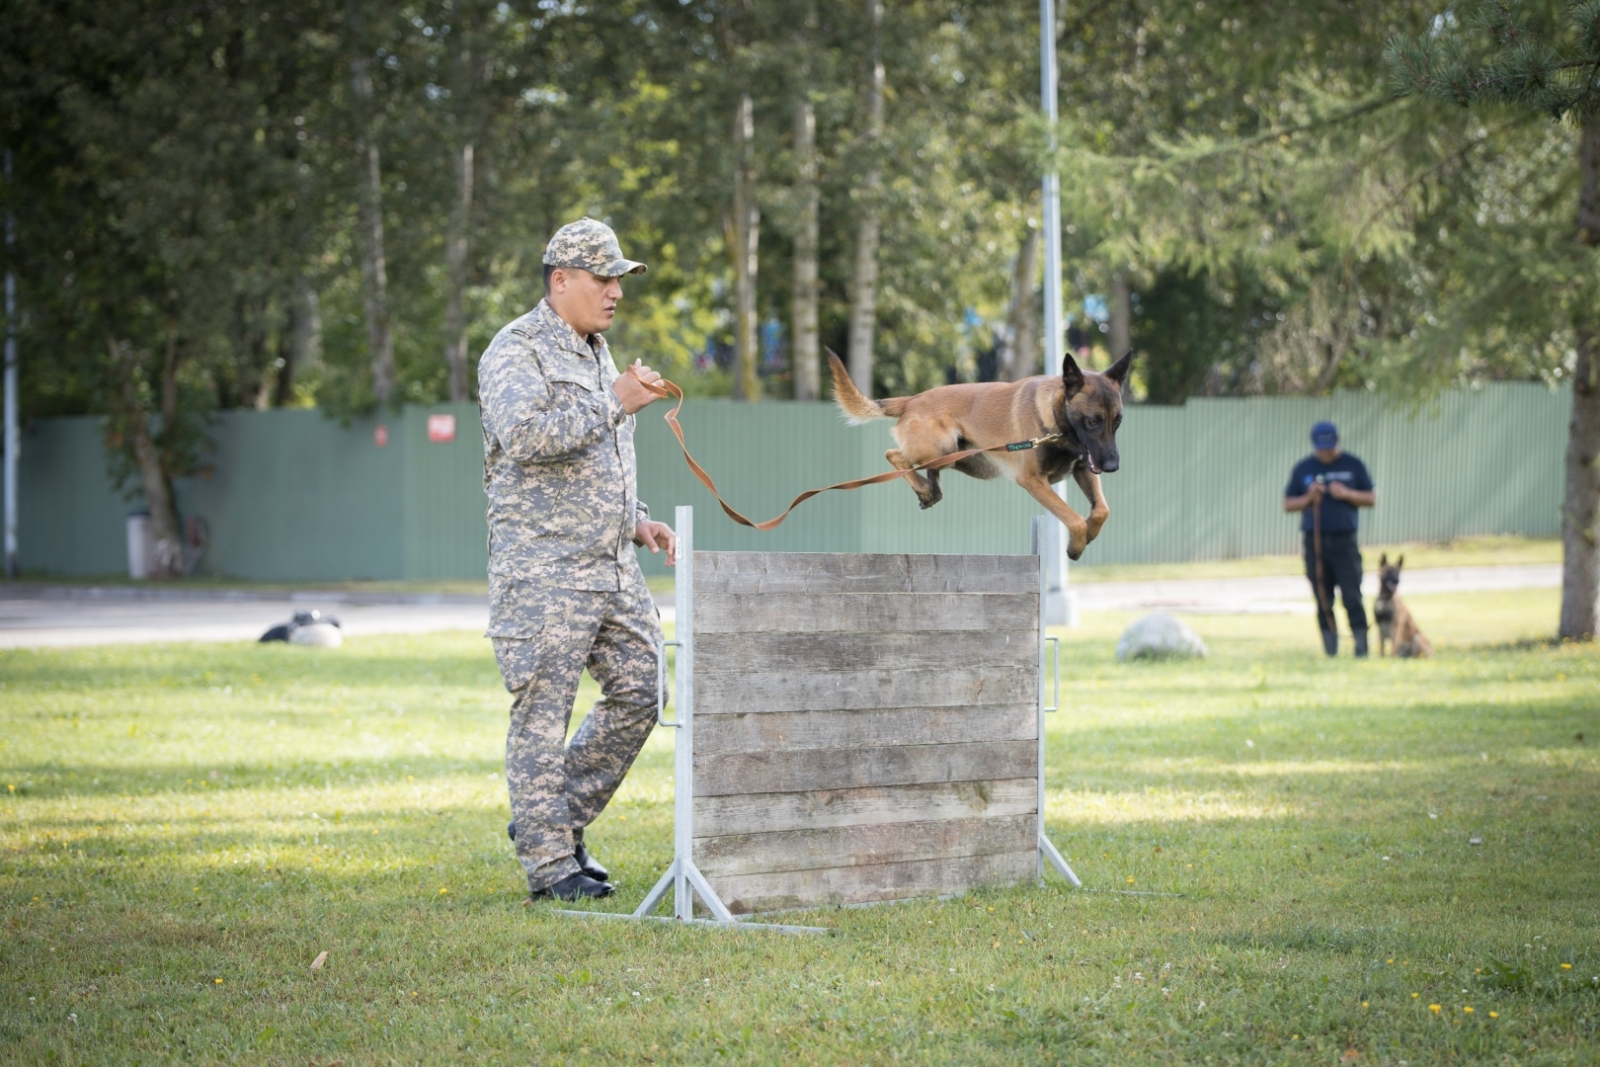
1045, 531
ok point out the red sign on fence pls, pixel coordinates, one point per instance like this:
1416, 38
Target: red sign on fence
441, 428
380, 436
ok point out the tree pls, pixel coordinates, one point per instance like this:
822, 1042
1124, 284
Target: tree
366, 118
1535, 61
744, 241
864, 282
158, 161
805, 354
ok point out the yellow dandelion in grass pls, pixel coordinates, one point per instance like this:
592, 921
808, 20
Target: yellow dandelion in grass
443, 890
1414, 996
1494, 1015
1467, 1009
217, 980
1435, 1008
1566, 966
1363, 1003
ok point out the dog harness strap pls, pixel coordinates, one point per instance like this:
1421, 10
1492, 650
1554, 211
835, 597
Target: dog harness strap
667, 389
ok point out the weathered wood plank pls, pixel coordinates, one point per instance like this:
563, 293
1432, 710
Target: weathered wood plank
797, 772
859, 846
828, 886
729, 694
717, 735
755, 813
731, 653
852, 572
872, 612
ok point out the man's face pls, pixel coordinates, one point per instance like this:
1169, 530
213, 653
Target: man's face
586, 301
1327, 455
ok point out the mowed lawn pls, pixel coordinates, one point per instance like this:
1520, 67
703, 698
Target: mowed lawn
1287, 860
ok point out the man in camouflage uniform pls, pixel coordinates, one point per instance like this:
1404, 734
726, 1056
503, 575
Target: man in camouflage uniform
565, 589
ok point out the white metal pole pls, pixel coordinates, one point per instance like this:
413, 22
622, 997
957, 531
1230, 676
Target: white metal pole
13, 433
683, 762
1053, 315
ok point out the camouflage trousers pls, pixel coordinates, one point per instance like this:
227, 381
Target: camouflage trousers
559, 786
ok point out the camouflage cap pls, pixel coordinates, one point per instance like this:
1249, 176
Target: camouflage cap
590, 245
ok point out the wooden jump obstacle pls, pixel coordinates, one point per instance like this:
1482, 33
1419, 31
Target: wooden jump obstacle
854, 728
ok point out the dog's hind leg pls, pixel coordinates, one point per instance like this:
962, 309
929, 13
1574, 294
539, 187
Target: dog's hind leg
1077, 528
1089, 482
926, 486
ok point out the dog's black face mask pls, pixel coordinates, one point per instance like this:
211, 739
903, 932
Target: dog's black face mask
1389, 577
1093, 409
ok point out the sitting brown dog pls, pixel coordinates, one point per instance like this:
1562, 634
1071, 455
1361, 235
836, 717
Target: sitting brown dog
1395, 624
1059, 425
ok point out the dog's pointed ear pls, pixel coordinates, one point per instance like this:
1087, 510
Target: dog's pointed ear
1400, 560
1118, 371
1071, 374
1383, 559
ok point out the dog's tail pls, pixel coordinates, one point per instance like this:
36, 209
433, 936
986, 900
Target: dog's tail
857, 407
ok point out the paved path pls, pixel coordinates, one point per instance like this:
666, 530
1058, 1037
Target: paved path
58, 615
33, 616
1292, 596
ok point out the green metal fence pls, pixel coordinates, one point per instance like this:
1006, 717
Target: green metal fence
292, 495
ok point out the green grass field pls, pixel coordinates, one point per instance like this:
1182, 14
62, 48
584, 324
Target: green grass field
183, 829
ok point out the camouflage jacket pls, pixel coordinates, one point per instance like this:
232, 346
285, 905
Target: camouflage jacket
558, 459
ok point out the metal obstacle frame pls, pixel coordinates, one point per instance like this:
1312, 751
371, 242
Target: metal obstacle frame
682, 877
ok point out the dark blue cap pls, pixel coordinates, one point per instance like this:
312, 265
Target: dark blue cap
1324, 435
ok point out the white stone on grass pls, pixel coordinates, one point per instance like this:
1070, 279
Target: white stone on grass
317, 635
1160, 636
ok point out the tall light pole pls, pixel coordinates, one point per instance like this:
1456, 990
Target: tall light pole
1053, 317
13, 438
1060, 604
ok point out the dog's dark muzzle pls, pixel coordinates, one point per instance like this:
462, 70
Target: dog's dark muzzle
1105, 463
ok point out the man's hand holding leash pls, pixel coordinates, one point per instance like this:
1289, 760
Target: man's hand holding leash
633, 389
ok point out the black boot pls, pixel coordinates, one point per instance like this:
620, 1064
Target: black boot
576, 886
1330, 642
587, 863
1360, 638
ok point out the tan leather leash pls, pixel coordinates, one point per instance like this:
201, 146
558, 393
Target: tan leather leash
664, 388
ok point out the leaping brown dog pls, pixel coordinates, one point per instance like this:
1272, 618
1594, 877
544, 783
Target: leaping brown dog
1076, 415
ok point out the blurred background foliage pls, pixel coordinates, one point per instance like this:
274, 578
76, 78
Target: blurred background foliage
1246, 199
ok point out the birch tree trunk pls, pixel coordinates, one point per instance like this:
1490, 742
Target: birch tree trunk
746, 238
1022, 357
1120, 307
306, 329
463, 104
374, 271
864, 285
1580, 549
806, 357
455, 252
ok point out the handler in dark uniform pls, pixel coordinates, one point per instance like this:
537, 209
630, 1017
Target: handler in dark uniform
565, 589
1335, 484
